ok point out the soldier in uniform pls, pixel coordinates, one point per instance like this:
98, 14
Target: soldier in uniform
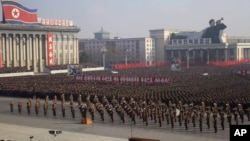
194, 118
236, 116
63, 108
215, 121
159, 118
11, 106
229, 115
37, 106
72, 107
241, 113
186, 118
201, 114
172, 118
92, 112
248, 113
45, 107
20, 104
222, 119
167, 116
79, 99
28, 106
208, 118
54, 107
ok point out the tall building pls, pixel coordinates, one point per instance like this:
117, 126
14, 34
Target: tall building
119, 50
189, 44
35, 43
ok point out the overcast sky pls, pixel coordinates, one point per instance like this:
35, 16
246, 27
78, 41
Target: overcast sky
134, 18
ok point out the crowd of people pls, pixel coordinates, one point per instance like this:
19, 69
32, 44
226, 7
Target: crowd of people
198, 95
14, 70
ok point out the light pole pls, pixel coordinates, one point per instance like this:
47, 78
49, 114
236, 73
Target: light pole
31, 137
188, 56
103, 51
55, 133
126, 56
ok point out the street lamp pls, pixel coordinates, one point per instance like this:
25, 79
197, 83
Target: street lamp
55, 133
31, 137
188, 56
103, 51
126, 56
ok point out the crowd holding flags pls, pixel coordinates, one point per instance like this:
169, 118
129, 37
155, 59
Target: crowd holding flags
15, 13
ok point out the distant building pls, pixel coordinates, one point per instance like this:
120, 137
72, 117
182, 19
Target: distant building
119, 50
171, 43
102, 35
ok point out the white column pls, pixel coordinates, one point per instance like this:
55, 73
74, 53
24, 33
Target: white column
7, 54
46, 50
34, 56
21, 58
74, 50
57, 47
4, 49
27, 52
14, 51
77, 51
40, 51
68, 47
63, 50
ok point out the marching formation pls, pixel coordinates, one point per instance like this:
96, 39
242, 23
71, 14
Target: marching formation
192, 102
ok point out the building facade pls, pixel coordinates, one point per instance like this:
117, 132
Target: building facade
102, 50
118, 50
35, 43
189, 45
24, 45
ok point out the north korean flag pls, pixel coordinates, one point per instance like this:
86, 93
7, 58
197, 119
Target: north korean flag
15, 13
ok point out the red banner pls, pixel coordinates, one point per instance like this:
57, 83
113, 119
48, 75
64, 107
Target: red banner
50, 49
14, 12
125, 79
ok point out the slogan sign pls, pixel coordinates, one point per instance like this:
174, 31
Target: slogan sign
50, 49
125, 79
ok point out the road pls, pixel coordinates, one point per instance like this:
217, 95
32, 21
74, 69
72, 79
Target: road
19, 127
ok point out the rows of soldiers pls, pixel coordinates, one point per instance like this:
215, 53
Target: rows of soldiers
216, 100
139, 109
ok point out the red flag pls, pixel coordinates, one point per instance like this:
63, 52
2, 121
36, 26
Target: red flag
15, 13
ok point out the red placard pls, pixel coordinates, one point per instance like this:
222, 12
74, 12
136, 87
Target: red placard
50, 49
125, 79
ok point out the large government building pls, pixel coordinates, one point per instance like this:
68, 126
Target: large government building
172, 43
162, 46
35, 43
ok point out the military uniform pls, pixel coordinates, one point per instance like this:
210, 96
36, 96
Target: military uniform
20, 104
11, 106
28, 107
215, 121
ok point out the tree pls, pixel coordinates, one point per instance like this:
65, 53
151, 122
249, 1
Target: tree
83, 57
